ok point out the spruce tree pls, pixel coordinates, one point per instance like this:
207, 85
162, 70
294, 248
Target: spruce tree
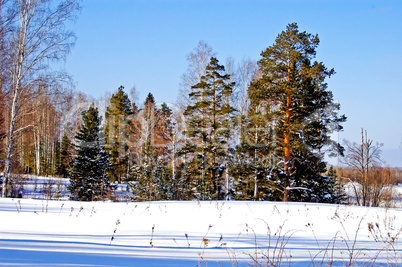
88, 178
302, 113
209, 126
118, 128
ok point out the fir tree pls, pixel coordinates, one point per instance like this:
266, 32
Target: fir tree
209, 127
335, 192
301, 111
88, 178
118, 127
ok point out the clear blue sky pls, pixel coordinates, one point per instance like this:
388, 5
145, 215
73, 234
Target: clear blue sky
144, 43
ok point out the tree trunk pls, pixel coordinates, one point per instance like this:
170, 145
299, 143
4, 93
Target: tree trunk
37, 152
255, 158
174, 157
7, 167
286, 191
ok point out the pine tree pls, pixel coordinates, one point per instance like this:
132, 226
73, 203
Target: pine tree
301, 112
164, 127
208, 122
118, 128
165, 136
150, 120
88, 178
134, 138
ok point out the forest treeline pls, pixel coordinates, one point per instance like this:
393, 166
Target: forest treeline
246, 131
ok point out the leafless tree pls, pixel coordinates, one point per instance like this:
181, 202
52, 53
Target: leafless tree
134, 96
242, 74
245, 72
171, 134
38, 39
5, 27
367, 178
197, 60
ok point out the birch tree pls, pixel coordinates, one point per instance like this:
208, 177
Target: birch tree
198, 60
38, 40
246, 71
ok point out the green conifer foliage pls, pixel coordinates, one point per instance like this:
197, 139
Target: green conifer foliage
150, 120
118, 128
209, 126
63, 164
254, 160
88, 178
151, 180
302, 113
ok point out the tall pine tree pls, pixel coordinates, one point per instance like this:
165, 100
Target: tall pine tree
302, 112
150, 120
208, 121
118, 128
89, 179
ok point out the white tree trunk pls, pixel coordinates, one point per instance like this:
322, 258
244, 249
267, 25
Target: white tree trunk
40, 37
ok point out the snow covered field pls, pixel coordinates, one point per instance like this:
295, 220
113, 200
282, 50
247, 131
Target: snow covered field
67, 233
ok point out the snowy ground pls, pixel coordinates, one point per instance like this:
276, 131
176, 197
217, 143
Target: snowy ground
67, 233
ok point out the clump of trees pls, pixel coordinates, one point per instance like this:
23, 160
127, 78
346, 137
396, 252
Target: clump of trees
33, 38
282, 130
251, 131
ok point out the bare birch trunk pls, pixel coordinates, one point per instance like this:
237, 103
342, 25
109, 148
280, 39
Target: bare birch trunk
40, 36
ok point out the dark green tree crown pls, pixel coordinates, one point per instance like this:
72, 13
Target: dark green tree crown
120, 104
90, 127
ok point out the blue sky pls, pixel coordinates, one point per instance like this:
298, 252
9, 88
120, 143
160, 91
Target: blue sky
145, 42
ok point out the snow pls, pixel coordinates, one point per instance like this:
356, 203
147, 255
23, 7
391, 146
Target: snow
190, 233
